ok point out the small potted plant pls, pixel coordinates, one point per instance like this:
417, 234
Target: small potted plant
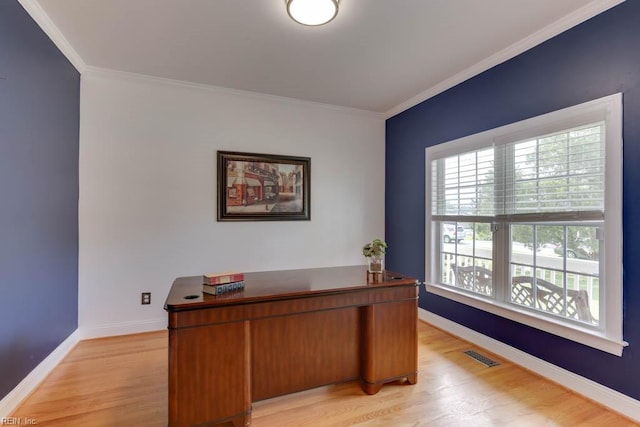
374, 252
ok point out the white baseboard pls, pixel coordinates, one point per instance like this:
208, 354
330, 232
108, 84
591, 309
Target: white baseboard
123, 328
11, 401
612, 399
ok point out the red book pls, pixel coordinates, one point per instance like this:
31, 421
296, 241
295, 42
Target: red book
222, 278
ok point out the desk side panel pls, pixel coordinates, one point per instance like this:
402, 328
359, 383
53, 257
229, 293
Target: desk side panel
390, 343
208, 374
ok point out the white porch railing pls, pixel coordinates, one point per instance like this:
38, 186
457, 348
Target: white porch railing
575, 281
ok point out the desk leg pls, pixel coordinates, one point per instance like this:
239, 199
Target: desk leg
242, 421
369, 388
389, 344
413, 378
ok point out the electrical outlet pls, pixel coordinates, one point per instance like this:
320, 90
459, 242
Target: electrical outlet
146, 298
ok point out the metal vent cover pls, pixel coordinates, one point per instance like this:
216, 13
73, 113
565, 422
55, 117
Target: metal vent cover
481, 358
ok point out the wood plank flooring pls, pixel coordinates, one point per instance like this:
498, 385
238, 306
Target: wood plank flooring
122, 381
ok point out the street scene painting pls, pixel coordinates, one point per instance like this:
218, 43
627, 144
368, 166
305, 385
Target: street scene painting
263, 187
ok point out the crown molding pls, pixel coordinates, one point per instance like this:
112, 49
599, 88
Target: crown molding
590, 10
97, 72
561, 25
38, 14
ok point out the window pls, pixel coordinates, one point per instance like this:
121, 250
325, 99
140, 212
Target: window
525, 221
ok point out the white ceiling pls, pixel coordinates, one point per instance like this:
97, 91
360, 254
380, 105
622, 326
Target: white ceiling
377, 55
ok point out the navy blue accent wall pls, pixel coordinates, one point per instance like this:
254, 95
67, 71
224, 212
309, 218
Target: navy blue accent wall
596, 58
39, 124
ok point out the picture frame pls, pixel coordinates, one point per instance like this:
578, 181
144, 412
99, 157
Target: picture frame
263, 187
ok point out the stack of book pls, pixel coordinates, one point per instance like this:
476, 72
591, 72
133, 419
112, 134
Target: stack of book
220, 283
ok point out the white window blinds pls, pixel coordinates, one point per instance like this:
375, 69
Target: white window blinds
559, 173
464, 184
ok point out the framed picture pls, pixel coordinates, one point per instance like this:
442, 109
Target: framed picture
263, 187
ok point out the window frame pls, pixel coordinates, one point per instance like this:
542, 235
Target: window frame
608, 336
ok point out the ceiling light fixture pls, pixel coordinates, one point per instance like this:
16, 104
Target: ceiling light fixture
312, 12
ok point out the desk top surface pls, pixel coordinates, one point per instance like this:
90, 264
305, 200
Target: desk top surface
186, 292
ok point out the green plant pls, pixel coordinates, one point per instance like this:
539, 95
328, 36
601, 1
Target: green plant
375, 249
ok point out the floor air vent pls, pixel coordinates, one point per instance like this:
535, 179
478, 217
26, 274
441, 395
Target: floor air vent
480, 358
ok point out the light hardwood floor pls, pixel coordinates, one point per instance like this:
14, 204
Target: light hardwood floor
122, 381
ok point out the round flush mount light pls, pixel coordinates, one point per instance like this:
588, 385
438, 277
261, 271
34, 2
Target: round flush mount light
312, 12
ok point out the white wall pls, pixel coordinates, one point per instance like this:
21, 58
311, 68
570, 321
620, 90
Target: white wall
148, 190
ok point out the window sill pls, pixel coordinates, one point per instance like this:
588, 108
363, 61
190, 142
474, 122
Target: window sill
583, 335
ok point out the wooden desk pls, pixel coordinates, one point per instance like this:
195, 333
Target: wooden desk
286, 331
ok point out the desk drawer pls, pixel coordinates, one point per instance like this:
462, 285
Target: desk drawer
308, 304
397, 293
207, 316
